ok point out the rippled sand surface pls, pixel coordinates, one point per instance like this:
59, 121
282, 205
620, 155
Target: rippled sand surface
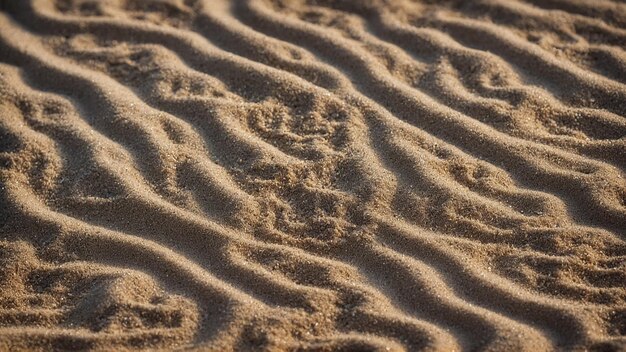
313, 175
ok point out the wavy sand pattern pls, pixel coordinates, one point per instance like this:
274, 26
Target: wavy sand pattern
313, 175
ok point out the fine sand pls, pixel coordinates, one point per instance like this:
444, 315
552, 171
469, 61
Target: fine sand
313, 175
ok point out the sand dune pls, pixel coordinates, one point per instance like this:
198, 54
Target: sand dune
313, 175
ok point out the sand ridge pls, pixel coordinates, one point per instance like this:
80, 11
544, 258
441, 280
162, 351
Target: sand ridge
312, 175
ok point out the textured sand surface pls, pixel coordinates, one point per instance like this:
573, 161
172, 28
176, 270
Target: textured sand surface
313, 175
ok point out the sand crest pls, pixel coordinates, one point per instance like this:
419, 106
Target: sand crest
313, 175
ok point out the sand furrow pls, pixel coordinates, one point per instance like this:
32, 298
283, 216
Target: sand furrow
599, 91
279, 294
610, 12
449, 125
479, 287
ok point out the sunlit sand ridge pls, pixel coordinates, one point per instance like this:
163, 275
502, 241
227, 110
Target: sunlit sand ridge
313, 175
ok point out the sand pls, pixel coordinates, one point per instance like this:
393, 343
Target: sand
313, 175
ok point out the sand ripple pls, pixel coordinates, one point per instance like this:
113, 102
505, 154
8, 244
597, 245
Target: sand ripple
312, 175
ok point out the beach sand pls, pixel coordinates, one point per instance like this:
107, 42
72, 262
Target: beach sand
313, 175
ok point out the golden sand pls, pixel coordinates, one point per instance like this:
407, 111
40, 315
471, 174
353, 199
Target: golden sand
312, 175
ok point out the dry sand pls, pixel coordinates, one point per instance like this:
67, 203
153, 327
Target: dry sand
313, 175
